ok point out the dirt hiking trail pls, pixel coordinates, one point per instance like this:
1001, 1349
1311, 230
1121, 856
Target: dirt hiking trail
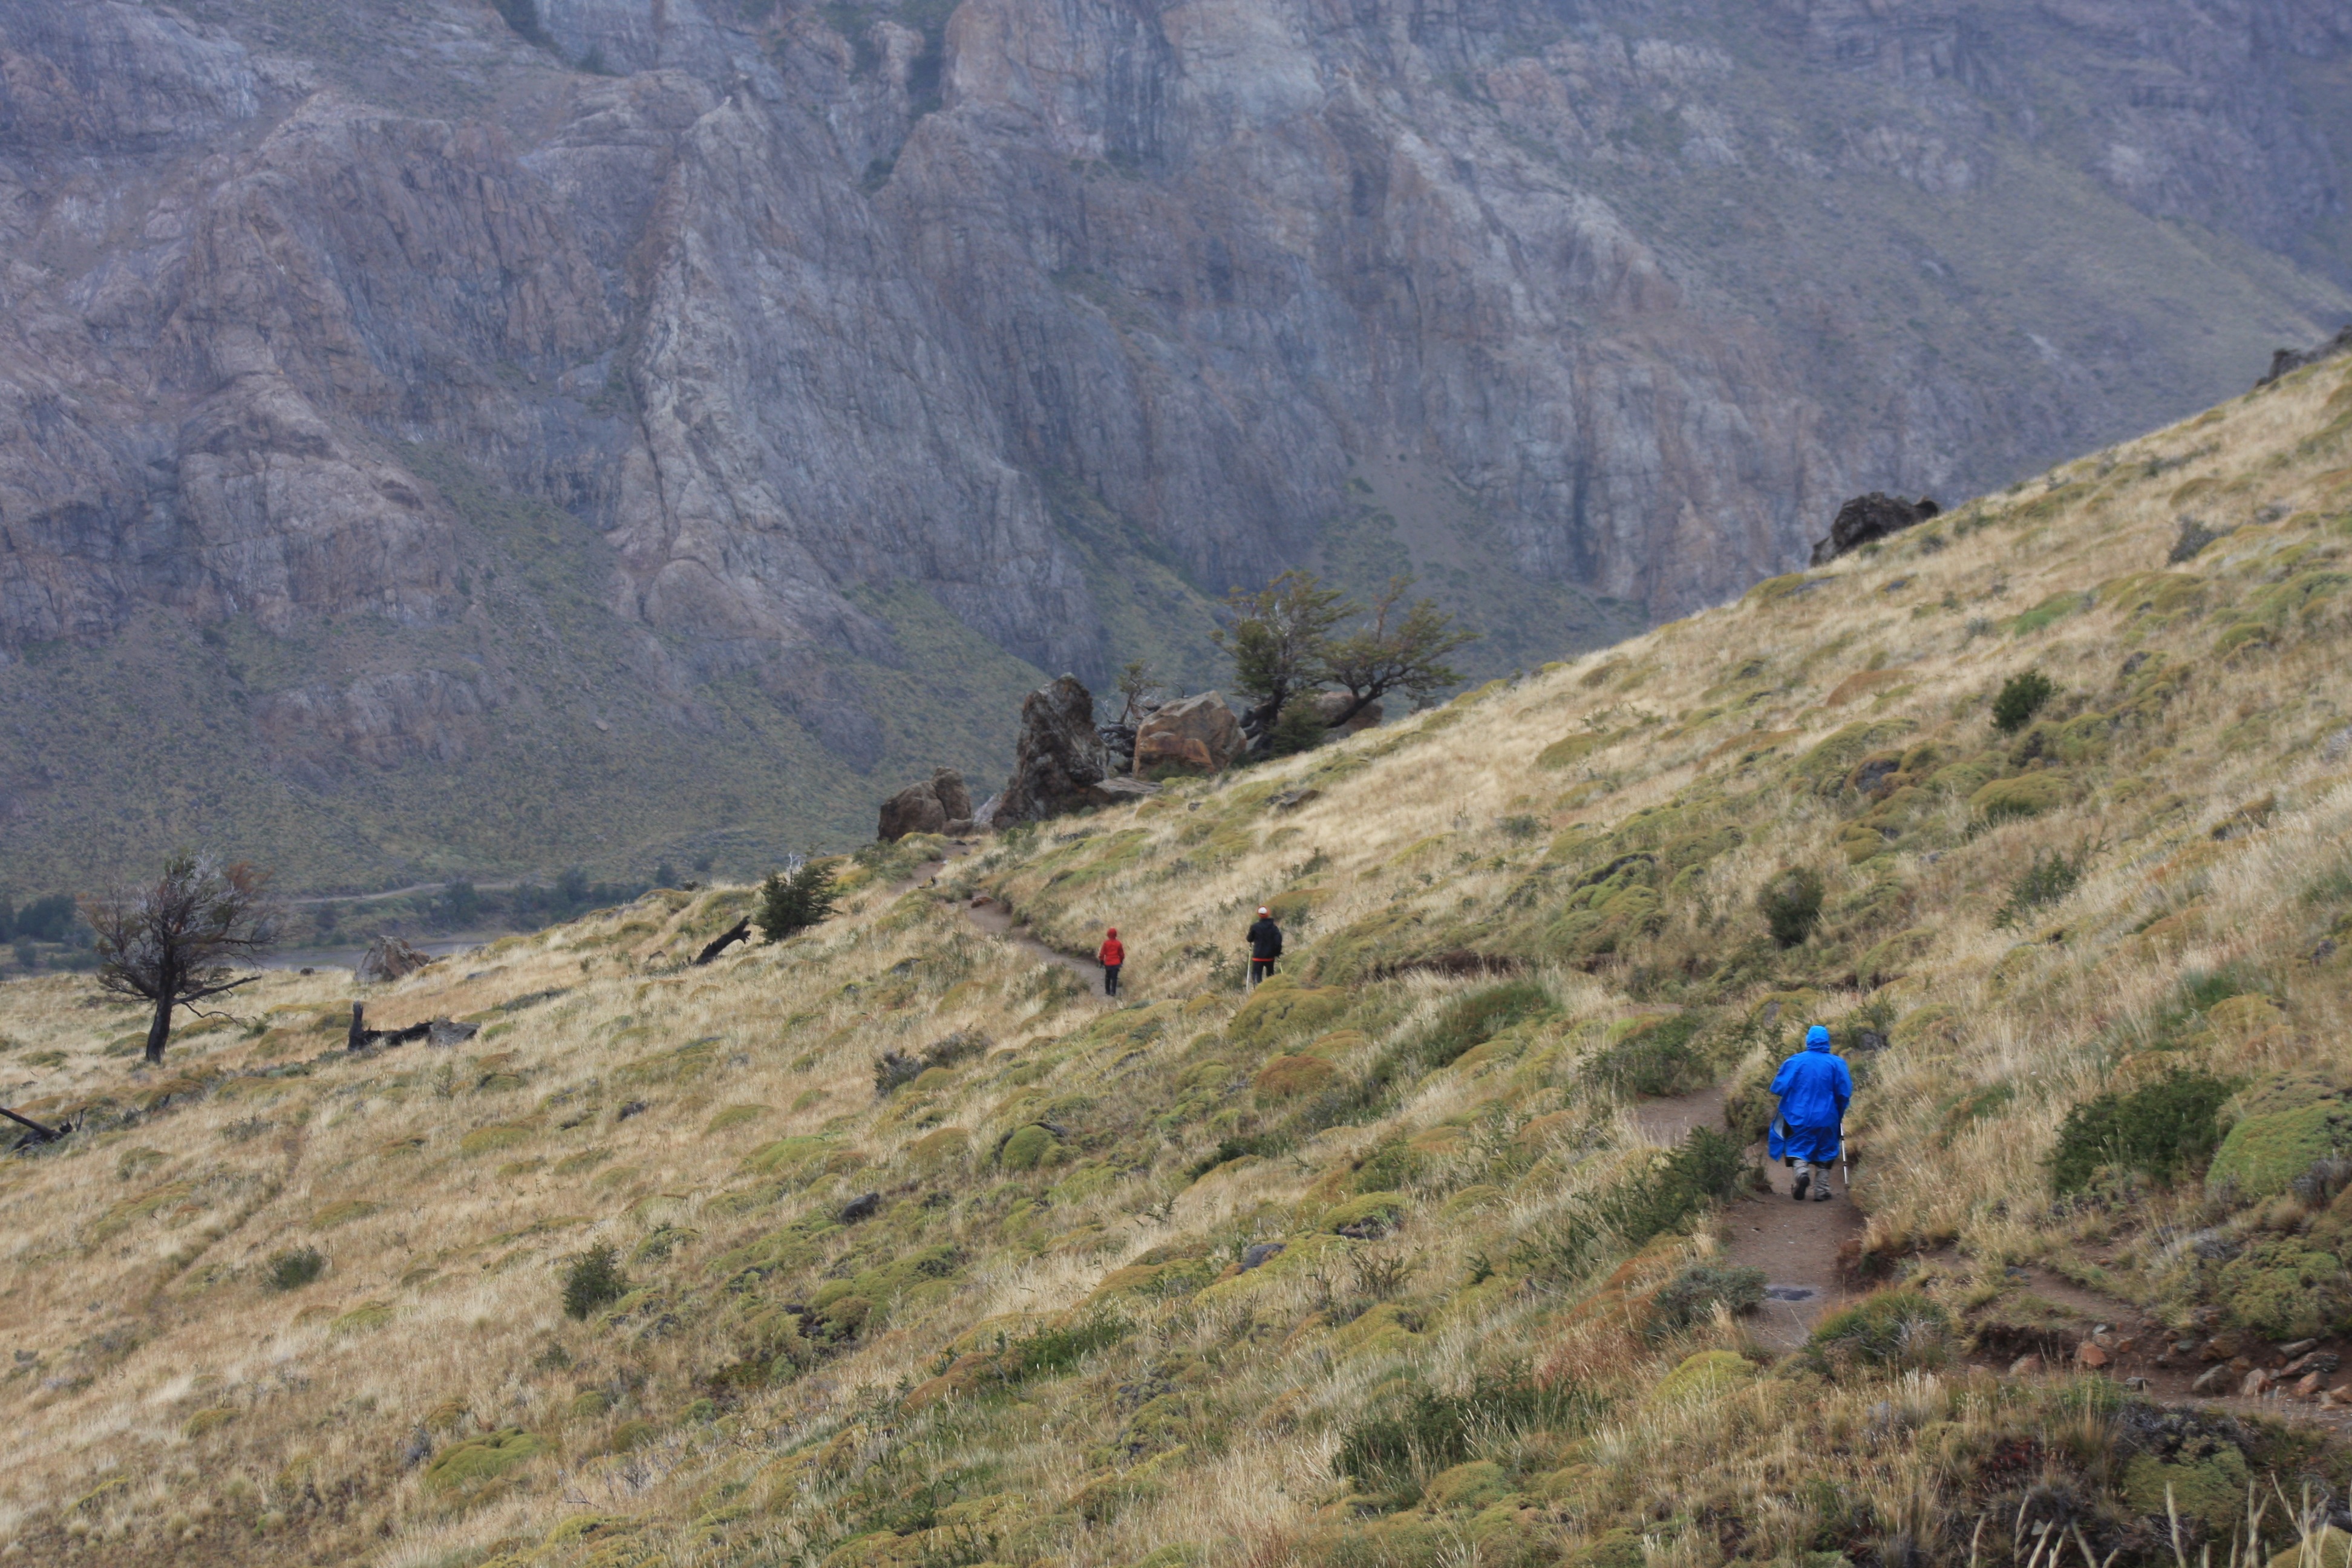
1795, 1244
991, 916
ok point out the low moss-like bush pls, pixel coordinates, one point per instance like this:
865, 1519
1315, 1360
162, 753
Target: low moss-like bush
1289, 1078
1281, 1007
361, 1319
2265, 1153
1892, 1328
1374, 1213
490, 1139
1706, 1373
595, 1279
2283, 1287
2025, 795
1692, 1297
1028, 1148
463, 1466
1471, 1020
2159, 1130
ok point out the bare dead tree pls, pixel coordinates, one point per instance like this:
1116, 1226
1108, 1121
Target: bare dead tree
180, 942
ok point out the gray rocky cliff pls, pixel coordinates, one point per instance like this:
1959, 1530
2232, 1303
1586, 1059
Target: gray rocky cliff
790, 384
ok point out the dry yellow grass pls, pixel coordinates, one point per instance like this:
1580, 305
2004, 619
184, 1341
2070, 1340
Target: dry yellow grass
168, 1403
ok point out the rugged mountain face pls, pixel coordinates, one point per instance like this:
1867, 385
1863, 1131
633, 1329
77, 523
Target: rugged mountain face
434, 390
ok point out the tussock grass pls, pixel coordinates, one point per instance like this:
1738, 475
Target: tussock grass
1455, 1205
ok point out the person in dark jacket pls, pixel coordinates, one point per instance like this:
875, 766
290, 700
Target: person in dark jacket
1265, 945
1110, 957
1814, 1087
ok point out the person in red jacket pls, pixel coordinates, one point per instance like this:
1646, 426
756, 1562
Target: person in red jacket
1111, 956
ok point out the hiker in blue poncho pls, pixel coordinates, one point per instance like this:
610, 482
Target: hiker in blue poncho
1814, 1086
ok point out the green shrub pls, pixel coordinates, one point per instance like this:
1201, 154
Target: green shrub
2021, 697
797, 901
1691, 1297
595, 1279
1049, 1352
1654, 1060
2160, 1129
292, 1271
1470, 1021
1790, 904
1892, 1328
1707, 1167
1394, 1450
2050, 877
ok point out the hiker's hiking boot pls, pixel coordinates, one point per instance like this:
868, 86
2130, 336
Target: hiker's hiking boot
1804, 1180
1822, 1193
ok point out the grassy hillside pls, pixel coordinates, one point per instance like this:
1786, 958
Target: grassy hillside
1379, 1265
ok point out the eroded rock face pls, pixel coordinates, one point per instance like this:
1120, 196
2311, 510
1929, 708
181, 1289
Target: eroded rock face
805, 334
1197, 732
1059, 763
1867, 517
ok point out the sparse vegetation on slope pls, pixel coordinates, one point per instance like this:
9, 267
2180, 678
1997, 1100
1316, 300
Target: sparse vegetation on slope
908, 1250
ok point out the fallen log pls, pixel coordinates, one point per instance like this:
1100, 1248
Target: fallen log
740, 931
40, 1134
361, 1037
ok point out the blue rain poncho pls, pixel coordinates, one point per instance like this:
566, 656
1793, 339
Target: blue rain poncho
1814, 1086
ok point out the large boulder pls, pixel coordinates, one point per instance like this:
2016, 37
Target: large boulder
1329, 705
940, 805
1060, 760
1199, 732
389, 958
1874, 516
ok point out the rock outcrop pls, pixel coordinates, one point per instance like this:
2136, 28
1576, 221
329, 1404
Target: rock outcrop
940, 803
1197, 732
1060, 764
1871, 517
389, 958
2286, 361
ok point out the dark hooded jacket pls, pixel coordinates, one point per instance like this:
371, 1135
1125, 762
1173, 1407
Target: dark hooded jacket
1266, 941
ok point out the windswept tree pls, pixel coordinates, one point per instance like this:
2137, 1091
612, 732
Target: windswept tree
1139, 687
181, 939
1403, 648
1276, 638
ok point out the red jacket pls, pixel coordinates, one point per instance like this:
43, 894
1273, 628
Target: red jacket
1112, 954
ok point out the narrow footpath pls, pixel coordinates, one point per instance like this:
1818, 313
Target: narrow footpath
1795, 1244
991, 916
